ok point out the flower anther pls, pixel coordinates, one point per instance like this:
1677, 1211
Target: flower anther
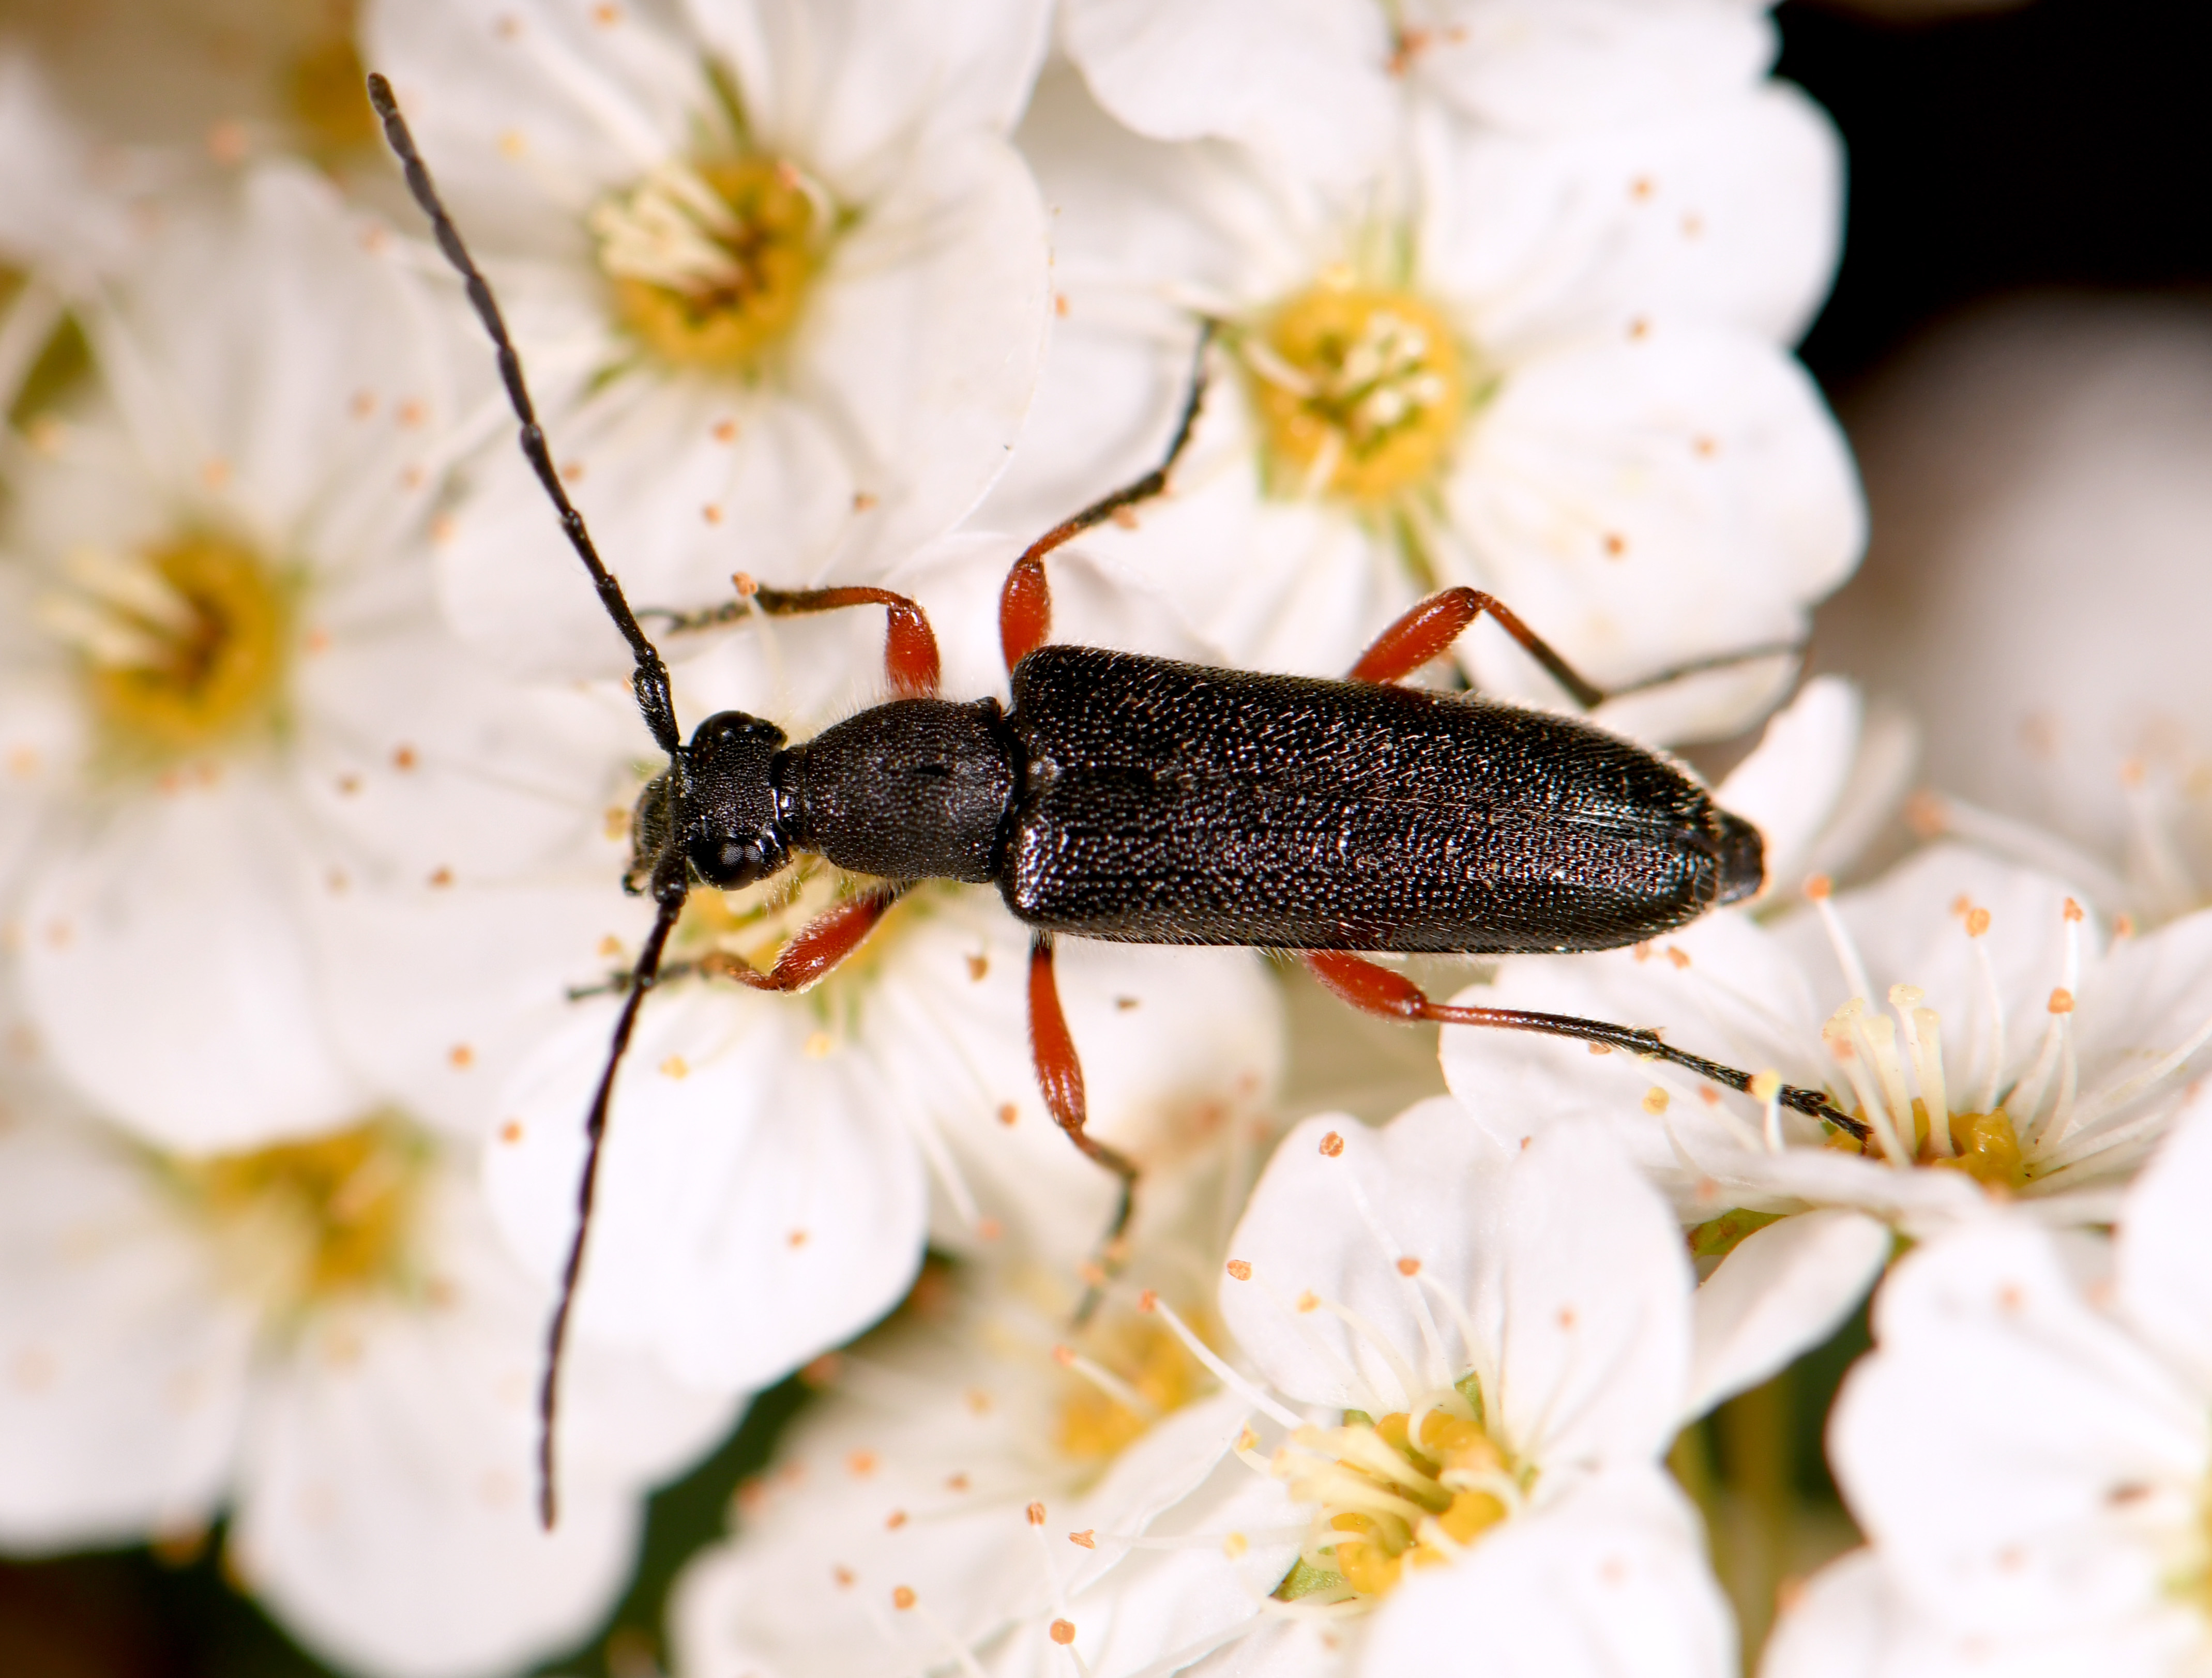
1387, 1499
184, 647
1359, 390
301, 1224
711, 262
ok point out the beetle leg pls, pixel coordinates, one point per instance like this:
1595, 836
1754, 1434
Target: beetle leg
1377, 990
1426, 631
819, 946
1060, 1080
1025, 603
910, 644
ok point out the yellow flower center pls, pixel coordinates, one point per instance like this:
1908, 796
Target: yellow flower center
711, 262
326, 88
185, 646
300, 1223
1385, 1502
1361, 392
1123, 1376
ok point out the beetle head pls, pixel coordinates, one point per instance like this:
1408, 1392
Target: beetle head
715, 809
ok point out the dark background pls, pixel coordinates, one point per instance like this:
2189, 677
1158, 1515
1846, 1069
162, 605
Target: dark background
2059, 144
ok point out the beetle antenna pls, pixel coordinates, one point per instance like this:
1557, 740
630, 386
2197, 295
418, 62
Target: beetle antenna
642, 979
651, 681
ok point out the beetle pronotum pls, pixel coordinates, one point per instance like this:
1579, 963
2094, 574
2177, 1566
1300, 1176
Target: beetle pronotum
1129, 797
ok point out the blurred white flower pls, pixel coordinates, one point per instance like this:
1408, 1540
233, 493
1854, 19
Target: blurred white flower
2035, 588
325, 1340
1546, 366
1497, 1343
229, 80
229, 705
2027, 1448
1242, 69
777, 275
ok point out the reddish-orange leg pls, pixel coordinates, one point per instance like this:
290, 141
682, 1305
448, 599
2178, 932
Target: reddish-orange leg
1378, 990
1025, 603
819, 946
1428, 631
910, 644
1059, 1079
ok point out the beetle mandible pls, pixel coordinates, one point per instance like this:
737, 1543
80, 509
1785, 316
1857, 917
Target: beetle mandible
1129, 797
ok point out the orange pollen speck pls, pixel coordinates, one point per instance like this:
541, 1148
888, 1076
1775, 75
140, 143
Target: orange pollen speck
1817, 886
1409, 1266
511, 1132
1063, 1356
2061, 1001
1088, 1538
1309, 1301
1063, 1631
1035, 1512
1978, 922
1240, 1269
902, 1597
1331, 1146
895, 1520
726, 431
1148, 1301
461, 1056
861, 1463
2073, 910
1679, 956
1008, 1112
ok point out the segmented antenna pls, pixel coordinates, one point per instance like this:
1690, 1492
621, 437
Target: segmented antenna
670, 879
651, 682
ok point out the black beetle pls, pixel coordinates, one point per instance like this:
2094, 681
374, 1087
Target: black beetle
1130, 797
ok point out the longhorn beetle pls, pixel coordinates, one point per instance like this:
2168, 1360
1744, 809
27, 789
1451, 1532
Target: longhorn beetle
1135, 798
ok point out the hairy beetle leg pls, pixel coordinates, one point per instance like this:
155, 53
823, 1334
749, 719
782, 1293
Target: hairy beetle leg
1428, 629
1391, 995
1060, 1081
1025, 601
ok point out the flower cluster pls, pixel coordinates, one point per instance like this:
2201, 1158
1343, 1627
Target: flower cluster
321, 782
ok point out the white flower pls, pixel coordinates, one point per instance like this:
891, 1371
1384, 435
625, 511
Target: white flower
326, 1340
777, 277
2027, 1057
1475, 1470
1542, 367
2028, 1450
228, 702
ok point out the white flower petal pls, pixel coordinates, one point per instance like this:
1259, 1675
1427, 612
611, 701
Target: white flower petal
170, 932
1729, 212
1789, 786
1559, 64
123, 1366
2164, 1255
2012, 1519
1565, 1262
438, 994
856, 87
1611, 1579
386, 1509
1782, 1291
1842, 1624
1306, 82
1646, 503
528, 113
922, 346
758, 1203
